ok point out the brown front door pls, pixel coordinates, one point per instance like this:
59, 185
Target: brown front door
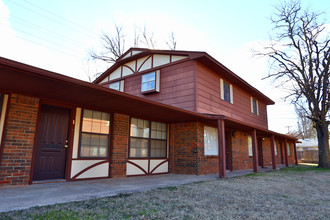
260, 158
50, 156
228, 152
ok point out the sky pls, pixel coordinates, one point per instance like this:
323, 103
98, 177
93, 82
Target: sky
57, 35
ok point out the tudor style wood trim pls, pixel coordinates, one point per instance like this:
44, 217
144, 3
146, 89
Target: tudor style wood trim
272, 147
88, 168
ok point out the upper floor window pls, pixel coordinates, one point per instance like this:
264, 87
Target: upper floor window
148, 139
95, 130
150, 82
210, 140
119, 86
254, 106
226, 91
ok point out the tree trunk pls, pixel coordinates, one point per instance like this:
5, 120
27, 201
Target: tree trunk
323, 144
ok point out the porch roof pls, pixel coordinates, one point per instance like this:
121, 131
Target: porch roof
24, 79
20, 78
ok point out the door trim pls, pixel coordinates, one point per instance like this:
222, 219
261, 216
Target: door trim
72, 110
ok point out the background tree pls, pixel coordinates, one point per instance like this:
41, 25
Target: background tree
300, 56
116, 43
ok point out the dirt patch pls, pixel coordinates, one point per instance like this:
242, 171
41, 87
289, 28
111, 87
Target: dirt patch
274, 195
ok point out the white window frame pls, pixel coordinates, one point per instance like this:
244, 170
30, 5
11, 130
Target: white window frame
257, 103
157, 82
211, 141
121, 85
222, 91
250, 148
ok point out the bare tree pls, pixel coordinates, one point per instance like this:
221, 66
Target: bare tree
306, 128
147, 38
300, 56
172, 42
114, 46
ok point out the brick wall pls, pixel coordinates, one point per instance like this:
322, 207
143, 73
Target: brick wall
183, 148
19, 140
240, 152
120, 145
266, 152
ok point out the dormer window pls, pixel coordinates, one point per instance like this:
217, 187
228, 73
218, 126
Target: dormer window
150, 82
226, 91
119, 86
254, 106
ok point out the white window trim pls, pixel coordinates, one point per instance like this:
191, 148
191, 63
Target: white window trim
252, 105
222, 91
250, 147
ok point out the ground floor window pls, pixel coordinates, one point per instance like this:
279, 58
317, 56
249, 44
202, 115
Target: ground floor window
289, 149
275, 147
95, 130
210, 141
250, 145
148, 139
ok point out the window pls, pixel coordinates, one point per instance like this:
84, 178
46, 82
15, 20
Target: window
119, 86
150, 82
289, 149
226, 91
148, 139
210, 141
254, 106
275, 148
95, 129
250, 145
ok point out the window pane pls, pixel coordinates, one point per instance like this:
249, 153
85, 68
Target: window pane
289, 150
254, 103
158, 130
95, 122
148, 77
115, 86
250, 145
275, 146
94, 145
148, 86
139, 128
138, 147
226, 91
210, 141
158, 149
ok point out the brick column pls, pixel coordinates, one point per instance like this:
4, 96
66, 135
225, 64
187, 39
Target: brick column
255, 150
222, 148
286, 153
119, 145
272, 146
18, 144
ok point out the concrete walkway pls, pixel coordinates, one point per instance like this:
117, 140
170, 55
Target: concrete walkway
15, 198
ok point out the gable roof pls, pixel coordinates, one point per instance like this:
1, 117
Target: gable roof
201, 57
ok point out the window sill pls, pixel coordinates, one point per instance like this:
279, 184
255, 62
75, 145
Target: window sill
149, 91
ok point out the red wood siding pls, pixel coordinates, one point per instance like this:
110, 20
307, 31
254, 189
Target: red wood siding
208, 99
177, 86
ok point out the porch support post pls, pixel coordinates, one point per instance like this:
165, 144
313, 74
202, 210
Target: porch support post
222, 148
295, 153
272, 146
286, 152
254, 150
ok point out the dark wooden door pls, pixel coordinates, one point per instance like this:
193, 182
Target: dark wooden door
53, 130
260, 158
228, 152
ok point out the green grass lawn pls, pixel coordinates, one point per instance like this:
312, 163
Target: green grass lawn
298, 192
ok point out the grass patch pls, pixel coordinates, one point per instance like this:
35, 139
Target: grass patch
305, 168
255, 174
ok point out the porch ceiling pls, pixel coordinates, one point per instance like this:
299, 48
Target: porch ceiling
24, 79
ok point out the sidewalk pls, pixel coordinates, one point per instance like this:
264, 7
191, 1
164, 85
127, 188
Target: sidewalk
23, 197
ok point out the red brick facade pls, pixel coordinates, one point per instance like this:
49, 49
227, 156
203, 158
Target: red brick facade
240, 151
120, 139
19, 140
